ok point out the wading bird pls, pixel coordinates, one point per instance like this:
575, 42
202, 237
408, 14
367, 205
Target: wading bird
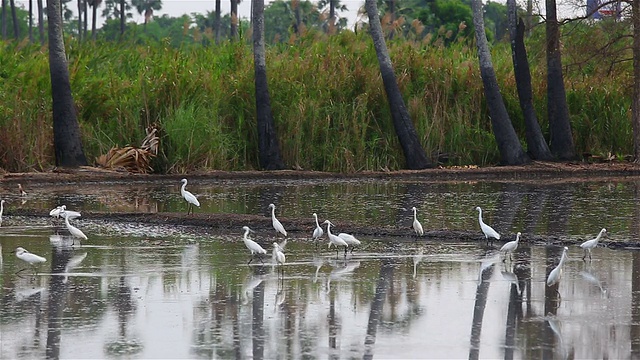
417, 227
350, 240
488, 231
21, 190
278, 257
556, 273
317, 232
74, 231
253, 246
588, 245
189, 197
277, 225
510, 247
29, 258
1, 210
335, 239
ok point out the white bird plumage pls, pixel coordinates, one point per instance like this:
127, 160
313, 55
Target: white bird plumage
351, 240
29, 258
317, 232
189, 197
510, 247
417, 227
277, 225
488, 231
556, 273
253, 246
1, 210
74, 231
278, 256
588, 245
335, 239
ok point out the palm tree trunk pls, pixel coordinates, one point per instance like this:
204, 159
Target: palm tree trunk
414, 154
122, 16
217, 22
30, 21
79, 19
635, 107
233, 33
85, 19
536, 144
40, 21
66, 131
511, 151
94, 13
4, 19
268, 147
560, 136
14, 17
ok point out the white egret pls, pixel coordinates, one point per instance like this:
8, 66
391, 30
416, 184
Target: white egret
510, 247
253, 246
74, 231
55, 212
417, 227
556, 273
68, 213
588, 245
335, 239
350, 240
1, 210
278, 256
189, 197
488, 231
318, 232
31, 259
277, 225
21, 190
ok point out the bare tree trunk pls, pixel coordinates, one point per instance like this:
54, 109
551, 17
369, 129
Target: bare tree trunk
40, 21
233, 33
85, 19
268, 147
216, 25
14, 17
511, 151
635, 107
30, 21
4, 19
94, 11
298, 15
414, 154
122, 16
529, 24
561, 138
536, 144
79, 19
66, 131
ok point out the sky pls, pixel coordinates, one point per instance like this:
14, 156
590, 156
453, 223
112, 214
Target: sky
176, 8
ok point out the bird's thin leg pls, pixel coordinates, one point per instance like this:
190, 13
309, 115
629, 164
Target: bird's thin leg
19, 271
250, 259
260, 257
589, 254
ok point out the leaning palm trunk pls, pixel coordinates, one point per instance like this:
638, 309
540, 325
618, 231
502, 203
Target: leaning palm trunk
511, 151
66, 131
536, 145
268, 147
635, 113
414, 154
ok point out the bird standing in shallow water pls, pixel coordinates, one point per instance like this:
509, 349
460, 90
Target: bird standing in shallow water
1, 210
21, 190
510, 247
335, 239
556, 274
588, 245
417, 227
317, 232
253, 246
189, 197
278, 257
488, 231
74, 231
277, 225
31, 259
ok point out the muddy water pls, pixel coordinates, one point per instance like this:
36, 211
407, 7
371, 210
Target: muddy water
137, 292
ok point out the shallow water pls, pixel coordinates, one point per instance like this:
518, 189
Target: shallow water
155, 292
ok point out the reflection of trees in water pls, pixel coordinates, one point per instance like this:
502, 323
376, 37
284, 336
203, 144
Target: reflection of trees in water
56, 303
634, 329
257, 323
385, 280
478, 310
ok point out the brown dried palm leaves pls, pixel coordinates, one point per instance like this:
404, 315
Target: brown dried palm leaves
132, 159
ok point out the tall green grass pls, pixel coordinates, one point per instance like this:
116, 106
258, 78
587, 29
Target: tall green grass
327, 98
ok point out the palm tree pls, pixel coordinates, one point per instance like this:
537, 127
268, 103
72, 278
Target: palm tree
147, 7
94, 5
560, 136
268, 147
216, 25
233, 34
4, 19
40, 21
635, 106
509, 145
536, 144
14, 17
414, 154
31, 21
66, 131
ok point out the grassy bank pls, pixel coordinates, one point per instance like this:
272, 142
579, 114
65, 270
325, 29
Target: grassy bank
327, 98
